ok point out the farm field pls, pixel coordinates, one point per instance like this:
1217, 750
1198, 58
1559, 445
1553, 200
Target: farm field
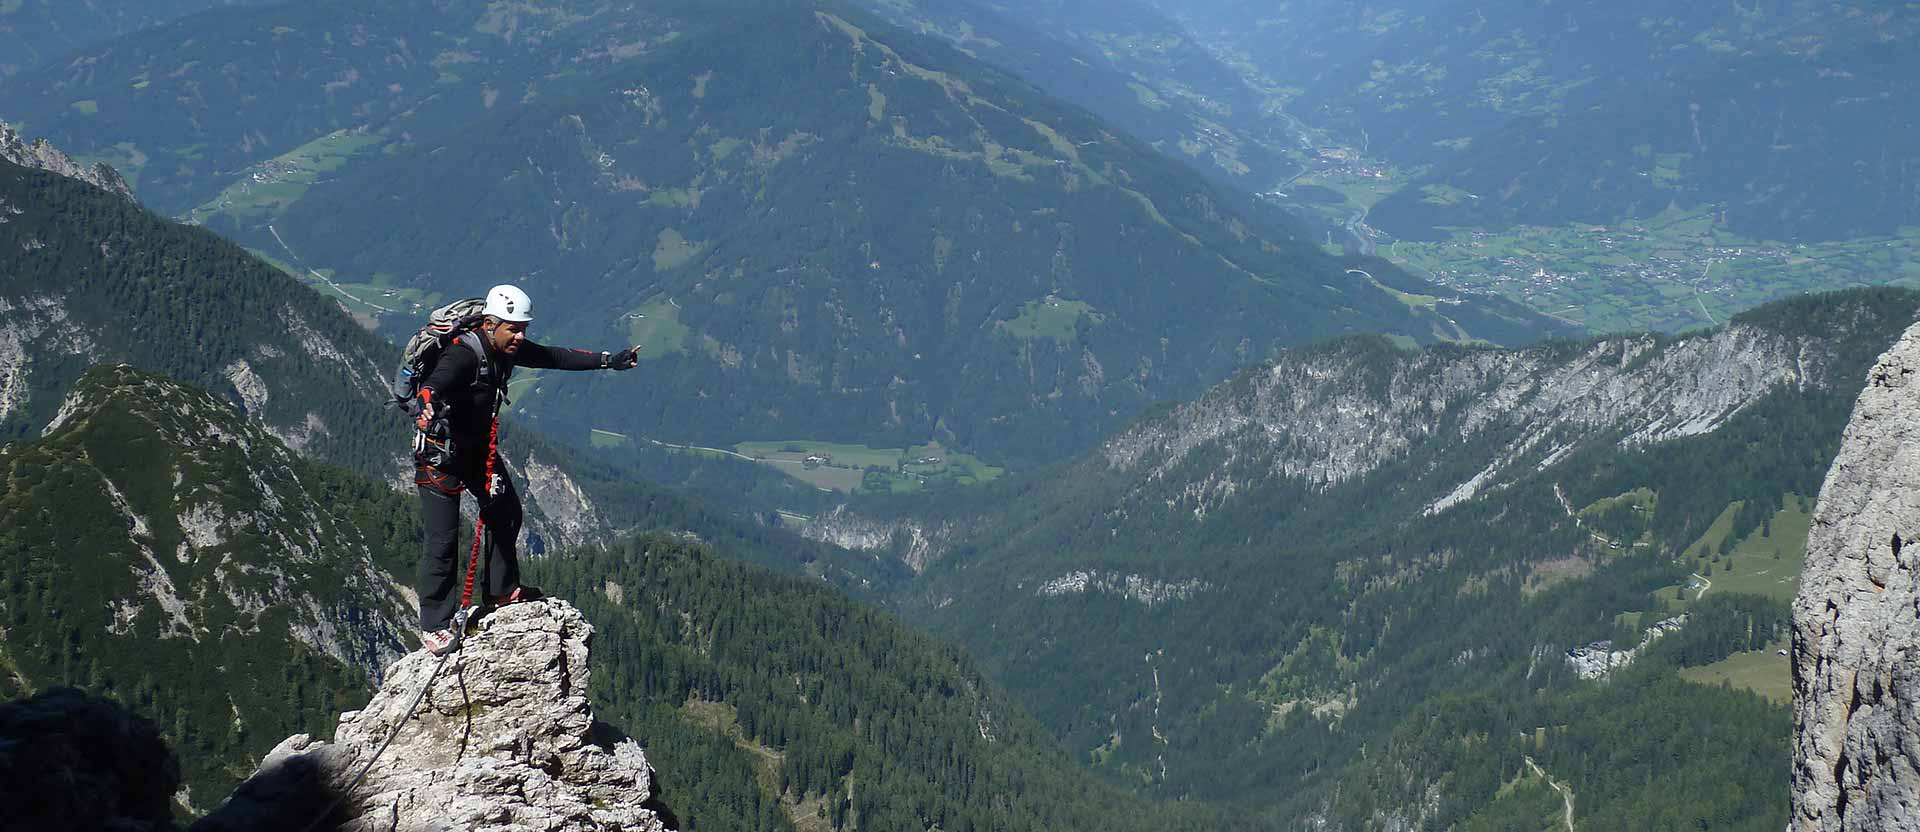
1674, 271
849, 468
1766, 562
272, 185
656, 327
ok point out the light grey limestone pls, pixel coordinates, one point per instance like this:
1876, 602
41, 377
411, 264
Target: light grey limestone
503, 740
1856, 634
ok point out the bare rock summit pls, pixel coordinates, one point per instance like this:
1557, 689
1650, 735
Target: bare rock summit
1856, 622
503, 739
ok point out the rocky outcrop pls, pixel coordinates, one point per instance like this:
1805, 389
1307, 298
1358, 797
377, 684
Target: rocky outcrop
563, 512
1856, 629
1599, 659
44, 156
503, 738
912, 542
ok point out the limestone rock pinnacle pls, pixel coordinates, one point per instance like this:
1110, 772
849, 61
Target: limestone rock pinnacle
503, 739
1856, 623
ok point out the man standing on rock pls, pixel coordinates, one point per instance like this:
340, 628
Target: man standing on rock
459, 451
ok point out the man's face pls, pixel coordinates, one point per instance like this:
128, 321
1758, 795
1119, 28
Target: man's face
508, 335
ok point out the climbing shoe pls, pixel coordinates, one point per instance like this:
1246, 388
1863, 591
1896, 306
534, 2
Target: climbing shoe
519, 594
440, 642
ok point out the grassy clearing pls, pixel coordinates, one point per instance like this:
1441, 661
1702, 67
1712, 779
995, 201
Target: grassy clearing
525, 383
386, 299
656, 327
1360, 190
601, 439
671, 251
840, 454
848, 468
1050, 317
1767, 562
269, 187
1764, 672
1642, 499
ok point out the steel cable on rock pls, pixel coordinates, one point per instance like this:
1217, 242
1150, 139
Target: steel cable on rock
391, 735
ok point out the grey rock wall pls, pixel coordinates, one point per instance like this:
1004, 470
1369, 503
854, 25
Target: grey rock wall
1856, 633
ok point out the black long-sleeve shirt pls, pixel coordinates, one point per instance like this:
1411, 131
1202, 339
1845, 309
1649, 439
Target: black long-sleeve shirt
468, 400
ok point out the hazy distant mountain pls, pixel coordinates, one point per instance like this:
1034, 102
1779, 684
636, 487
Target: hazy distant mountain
1129, 63
1792, 113
33, 32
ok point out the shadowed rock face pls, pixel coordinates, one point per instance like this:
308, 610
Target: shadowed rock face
503, 739
1856, 631
73, 761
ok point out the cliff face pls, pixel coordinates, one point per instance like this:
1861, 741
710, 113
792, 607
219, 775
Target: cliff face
1856, 639
503, 738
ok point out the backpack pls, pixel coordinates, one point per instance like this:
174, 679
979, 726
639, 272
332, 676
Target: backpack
456, 320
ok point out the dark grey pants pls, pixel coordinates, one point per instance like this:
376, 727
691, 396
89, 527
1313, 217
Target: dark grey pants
440, 581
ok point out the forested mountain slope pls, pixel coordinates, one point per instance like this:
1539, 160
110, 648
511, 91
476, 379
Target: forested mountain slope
33, 32
1332, 547
98, 279
789, 201
92, 277
184, 109
163, 548
1132, 64
770, 703
830, 229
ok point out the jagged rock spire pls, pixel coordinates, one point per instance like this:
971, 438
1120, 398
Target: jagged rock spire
1856, 627
504, 739
43, 155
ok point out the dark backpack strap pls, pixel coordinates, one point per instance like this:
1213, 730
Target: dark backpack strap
487, 372
483, 369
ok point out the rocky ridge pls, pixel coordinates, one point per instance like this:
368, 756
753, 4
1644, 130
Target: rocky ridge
42, 155
1856, 627
503, 738
1327, 415
1331, 415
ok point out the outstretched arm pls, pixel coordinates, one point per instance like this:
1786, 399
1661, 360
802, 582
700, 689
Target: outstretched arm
544, 357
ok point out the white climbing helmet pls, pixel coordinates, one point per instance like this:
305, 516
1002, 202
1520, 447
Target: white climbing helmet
508, 303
